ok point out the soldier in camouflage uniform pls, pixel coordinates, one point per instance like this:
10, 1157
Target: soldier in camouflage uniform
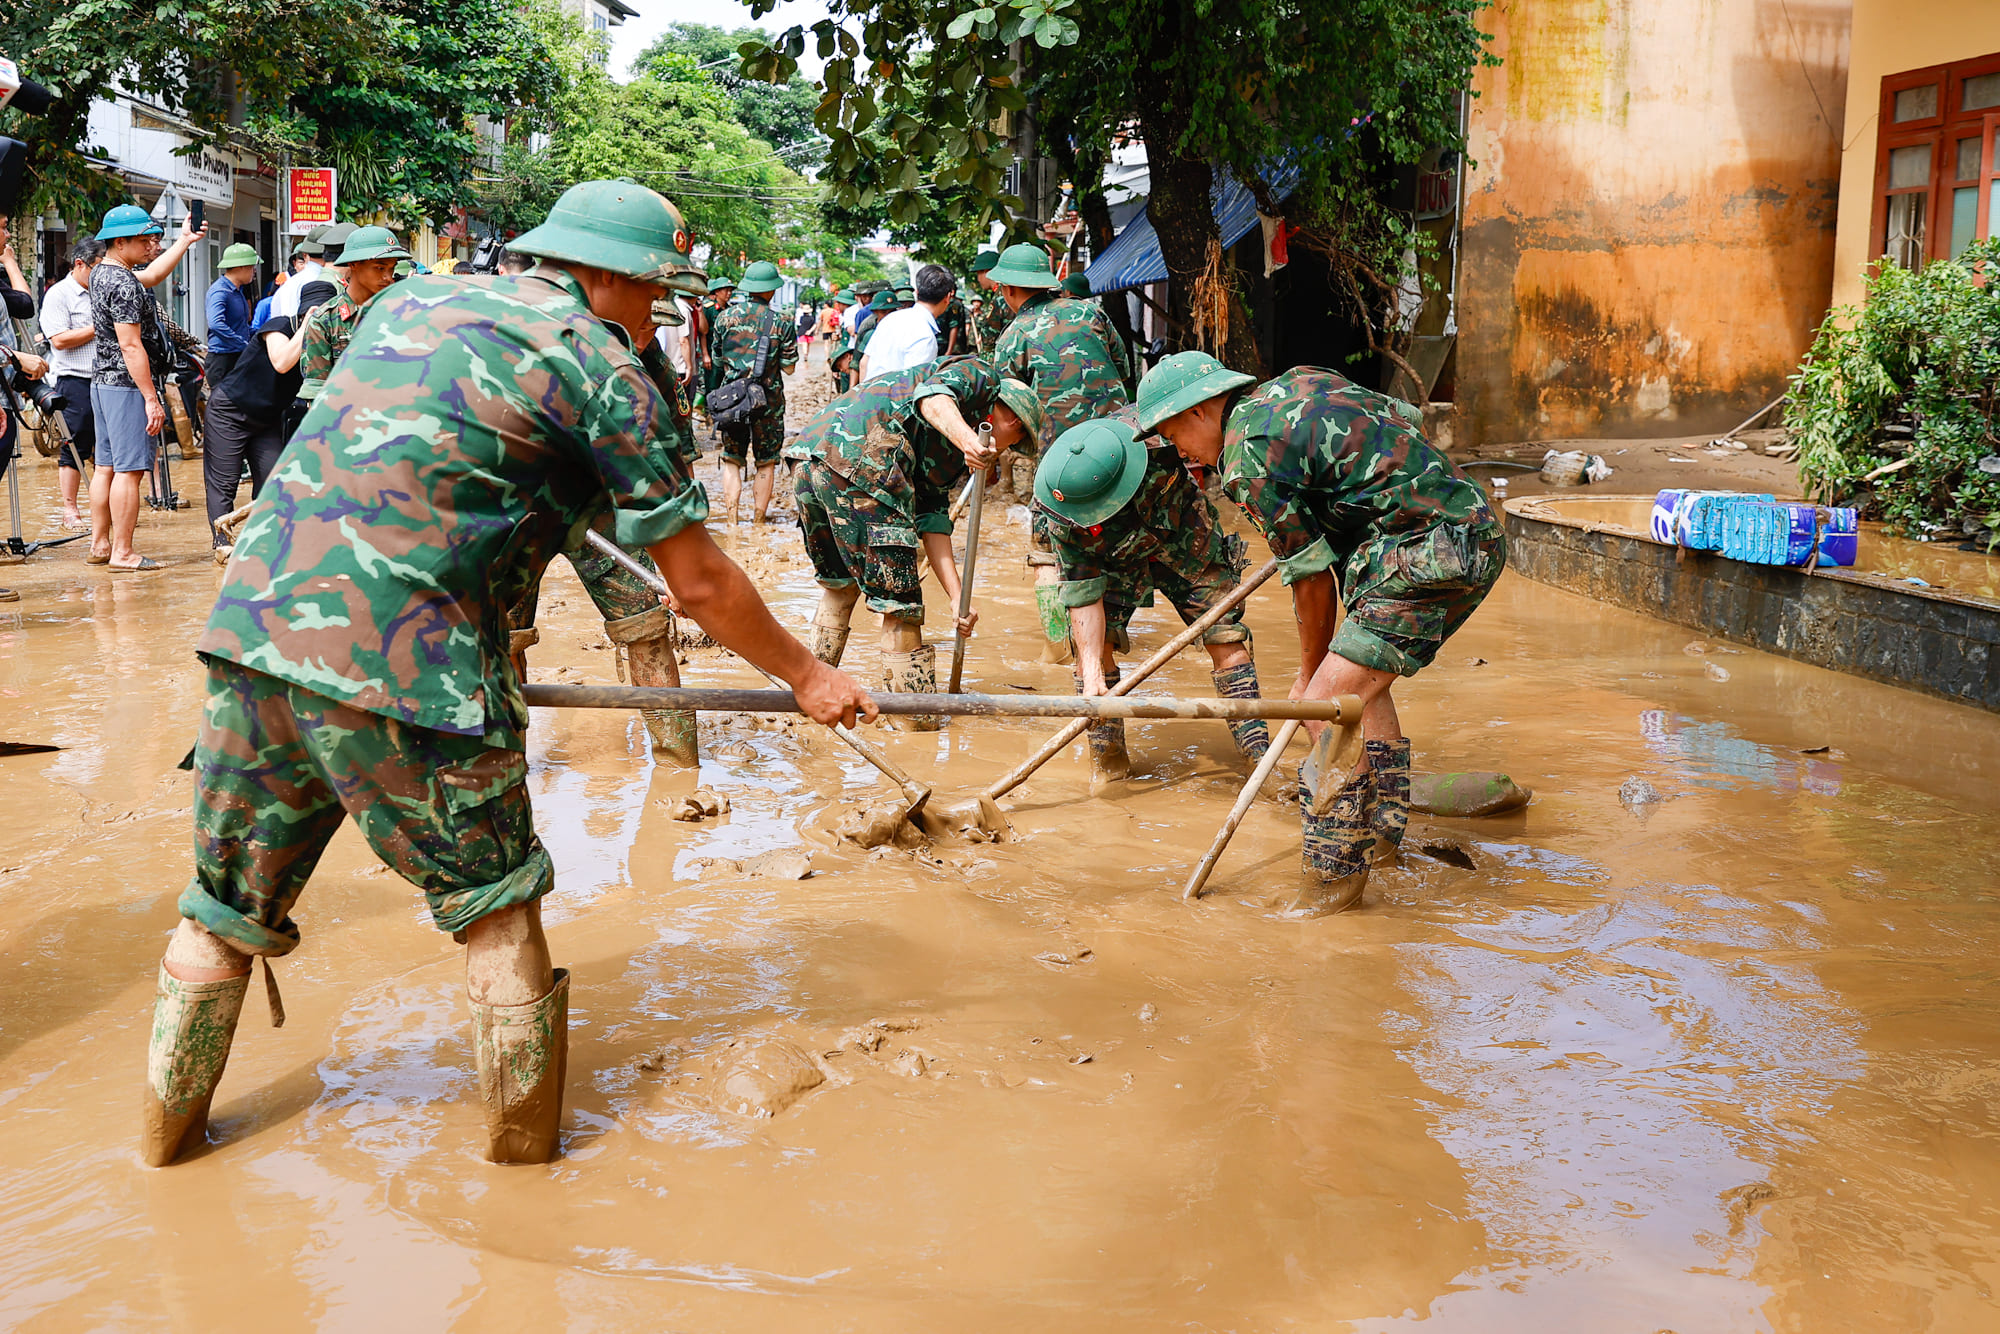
954, 330
879, 305
734, 348
840, 344
1069, 352
1124, 520
721, 291
878, 468
1356, 504
357, 654
994, 313
367, 265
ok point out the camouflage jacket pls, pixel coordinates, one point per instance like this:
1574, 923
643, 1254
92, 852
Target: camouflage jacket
328, 331
1321, 465
1069, 352
875, 437
733, 343
863, 332
654, 359
474, 426
1167, 522
994, 317
956, 319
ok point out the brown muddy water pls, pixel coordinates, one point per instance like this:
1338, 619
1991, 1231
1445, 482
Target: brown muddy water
1725, 1061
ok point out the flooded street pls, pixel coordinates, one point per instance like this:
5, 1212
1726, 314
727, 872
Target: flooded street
1723, 1061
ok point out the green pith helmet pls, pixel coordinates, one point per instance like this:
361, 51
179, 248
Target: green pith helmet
1077, 284
405, 267
371, 243
667, 313
333, 242
883, 300
906, 293
619, 227
1091, 471
1023, 265
985, 260
721, 283
762, 278
1026, 405
1181, 381
238, 256
842, 299
128, 220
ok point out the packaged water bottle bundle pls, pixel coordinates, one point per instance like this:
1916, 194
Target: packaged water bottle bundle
1755, 528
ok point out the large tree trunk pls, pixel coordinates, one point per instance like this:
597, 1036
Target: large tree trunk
1183, 219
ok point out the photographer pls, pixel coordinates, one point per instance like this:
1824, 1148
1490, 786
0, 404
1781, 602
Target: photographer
67, 325
132, 357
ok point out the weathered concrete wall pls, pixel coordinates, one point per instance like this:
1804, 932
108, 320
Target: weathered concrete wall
1891, 36
1649, 226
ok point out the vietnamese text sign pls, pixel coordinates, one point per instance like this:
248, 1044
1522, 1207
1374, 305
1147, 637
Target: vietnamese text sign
310, 193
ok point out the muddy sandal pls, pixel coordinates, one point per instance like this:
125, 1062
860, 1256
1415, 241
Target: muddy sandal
145, 563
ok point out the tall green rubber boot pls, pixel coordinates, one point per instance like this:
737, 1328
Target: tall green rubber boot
193, 1025
914, 673
1336, 848
1110, 762
1253, 735
1389, 803
522, 1054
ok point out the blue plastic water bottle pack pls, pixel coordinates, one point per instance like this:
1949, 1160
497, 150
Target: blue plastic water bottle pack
1755, 527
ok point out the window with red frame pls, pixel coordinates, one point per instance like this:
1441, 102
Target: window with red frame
1935, 164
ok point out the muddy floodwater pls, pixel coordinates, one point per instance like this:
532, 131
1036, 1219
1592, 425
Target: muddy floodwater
1726, 1060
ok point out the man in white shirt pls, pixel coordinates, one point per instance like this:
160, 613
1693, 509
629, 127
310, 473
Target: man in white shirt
286, 301
66, 323
907, 338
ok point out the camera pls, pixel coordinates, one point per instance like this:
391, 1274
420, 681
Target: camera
15, 386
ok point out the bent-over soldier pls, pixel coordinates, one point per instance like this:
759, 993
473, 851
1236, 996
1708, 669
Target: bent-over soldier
1357, 506
881, 464
1123, 521
357, 654
1068, 350
739, 330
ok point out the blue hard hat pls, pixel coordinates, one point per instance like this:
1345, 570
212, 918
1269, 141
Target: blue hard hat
128, 220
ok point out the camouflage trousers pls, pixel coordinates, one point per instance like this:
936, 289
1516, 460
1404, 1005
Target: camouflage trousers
1409, 592
277, 769
760, 438
854, 537
1191, 591
615, 590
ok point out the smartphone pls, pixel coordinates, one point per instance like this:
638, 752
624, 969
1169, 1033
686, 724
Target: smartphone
194, 214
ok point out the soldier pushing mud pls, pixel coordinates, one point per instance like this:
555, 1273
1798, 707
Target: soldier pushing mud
1356, 505
358, 659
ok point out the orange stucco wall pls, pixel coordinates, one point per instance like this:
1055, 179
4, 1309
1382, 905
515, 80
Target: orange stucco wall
1890, 38
1649, 224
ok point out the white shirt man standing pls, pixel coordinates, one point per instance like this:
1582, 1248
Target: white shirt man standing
907, 338
66, 323
286, 300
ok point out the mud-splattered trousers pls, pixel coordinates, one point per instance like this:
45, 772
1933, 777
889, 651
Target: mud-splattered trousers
277, 769
855, 537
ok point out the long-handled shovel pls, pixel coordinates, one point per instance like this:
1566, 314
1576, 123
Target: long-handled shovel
958, 641
1133, 676
915, 794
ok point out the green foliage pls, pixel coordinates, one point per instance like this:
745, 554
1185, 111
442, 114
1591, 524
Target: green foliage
1910, 379
780, 114
931, 93
175, 53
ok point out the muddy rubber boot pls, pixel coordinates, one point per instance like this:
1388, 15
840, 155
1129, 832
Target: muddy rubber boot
1389, 797
1252, 736
829, 641
646, 655
193, 1025
1050, 608
1110, 762
1336, 849
522, 1054
914, 673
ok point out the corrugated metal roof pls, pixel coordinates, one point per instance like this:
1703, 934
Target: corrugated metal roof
1134, 259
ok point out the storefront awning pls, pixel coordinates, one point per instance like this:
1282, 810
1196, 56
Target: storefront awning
1134, 259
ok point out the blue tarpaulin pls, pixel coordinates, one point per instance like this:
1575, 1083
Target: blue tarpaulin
1133, 259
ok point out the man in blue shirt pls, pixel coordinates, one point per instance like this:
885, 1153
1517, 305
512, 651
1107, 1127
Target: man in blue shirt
229, 325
